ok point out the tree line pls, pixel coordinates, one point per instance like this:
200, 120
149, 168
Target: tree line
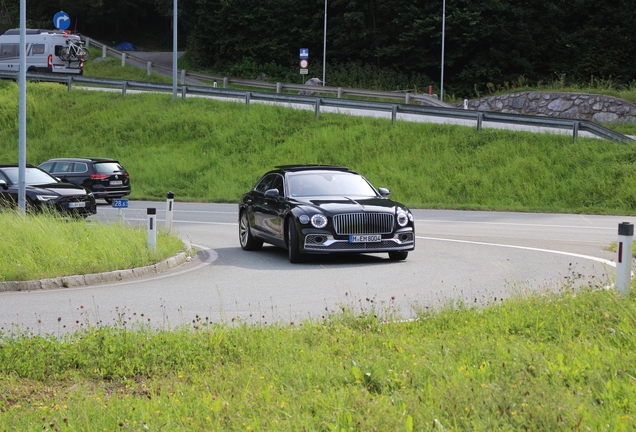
390, 44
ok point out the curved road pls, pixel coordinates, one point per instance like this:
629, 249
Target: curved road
477, 257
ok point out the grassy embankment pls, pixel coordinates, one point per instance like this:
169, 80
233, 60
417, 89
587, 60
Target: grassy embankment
554, 362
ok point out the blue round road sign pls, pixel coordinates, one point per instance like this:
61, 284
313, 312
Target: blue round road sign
61, 20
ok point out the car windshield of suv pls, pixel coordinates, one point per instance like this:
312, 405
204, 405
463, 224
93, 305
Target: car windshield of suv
108, 167
34, 176
330, 184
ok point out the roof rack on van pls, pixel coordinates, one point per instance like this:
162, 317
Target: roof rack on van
16, 31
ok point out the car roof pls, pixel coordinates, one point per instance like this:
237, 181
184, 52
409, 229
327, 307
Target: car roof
88, 159
313, 167
15, 165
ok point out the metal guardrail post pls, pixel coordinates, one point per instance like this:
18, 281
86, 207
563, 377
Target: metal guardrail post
575, 131
123, 88
103, 51
339, 92
393, 113
88, 42
248, 96
70, 83
225, 82
184, 90
317, 111
183, 75
407, 98
149, 68
123, 59
279, 86
480, 119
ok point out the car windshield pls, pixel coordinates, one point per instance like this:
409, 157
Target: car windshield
34, 176
329, 184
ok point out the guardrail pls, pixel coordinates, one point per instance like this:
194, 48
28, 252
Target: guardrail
479, 117
278, 87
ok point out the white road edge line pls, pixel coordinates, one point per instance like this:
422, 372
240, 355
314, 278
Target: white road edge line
601, 260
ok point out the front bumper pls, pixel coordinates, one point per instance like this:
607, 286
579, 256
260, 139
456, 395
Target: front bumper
316, 241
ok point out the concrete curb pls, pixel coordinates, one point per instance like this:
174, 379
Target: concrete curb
98, 278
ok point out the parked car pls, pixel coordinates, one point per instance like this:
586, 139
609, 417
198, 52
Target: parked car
316, 209
45, 191
106, 178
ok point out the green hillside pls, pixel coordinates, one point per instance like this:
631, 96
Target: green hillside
206, 150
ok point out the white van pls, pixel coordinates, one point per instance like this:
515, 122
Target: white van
42, 52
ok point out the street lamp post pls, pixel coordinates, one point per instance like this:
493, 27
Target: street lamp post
324, 48
441, 85
174, 51
22, 113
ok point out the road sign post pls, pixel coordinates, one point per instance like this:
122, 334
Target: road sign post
120, 204
304, 62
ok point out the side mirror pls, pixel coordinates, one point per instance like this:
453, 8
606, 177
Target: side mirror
384, 191
272, 193
3, 185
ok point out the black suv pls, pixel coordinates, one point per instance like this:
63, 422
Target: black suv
106, 178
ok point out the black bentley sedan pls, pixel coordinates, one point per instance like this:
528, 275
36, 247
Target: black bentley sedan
45, 191
318, 209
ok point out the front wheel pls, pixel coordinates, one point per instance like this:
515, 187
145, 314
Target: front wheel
248, 242
293, 249
398, 256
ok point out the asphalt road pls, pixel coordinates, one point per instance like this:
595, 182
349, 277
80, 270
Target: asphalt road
477, 257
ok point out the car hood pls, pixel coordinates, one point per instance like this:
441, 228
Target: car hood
63, 189
334, 205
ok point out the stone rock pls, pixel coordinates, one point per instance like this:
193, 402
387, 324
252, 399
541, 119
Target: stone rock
310, 82
598, 108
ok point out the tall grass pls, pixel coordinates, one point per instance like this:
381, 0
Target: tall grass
207, 150
556, 362
43, 246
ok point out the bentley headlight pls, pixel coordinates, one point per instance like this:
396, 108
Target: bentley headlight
319, 221
46, 197
303, 219
402, 218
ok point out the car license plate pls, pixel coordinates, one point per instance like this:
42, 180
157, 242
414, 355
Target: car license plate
373, 238
115, 183
76, 204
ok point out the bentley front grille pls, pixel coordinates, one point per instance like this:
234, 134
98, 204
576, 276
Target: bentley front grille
363, 223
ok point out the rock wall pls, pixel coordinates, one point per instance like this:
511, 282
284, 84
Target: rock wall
597, 108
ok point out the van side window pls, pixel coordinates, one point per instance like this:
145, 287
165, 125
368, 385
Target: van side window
58, 48
9, 50
38, 49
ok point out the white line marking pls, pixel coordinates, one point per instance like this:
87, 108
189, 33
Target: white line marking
601, 260
514, 224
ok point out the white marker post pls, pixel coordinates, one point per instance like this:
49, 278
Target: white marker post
169, 208
152, 228
624, 258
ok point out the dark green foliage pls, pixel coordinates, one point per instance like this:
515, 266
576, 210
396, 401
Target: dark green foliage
487, 43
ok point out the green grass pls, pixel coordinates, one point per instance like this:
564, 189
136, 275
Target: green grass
45, 246
536, 362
